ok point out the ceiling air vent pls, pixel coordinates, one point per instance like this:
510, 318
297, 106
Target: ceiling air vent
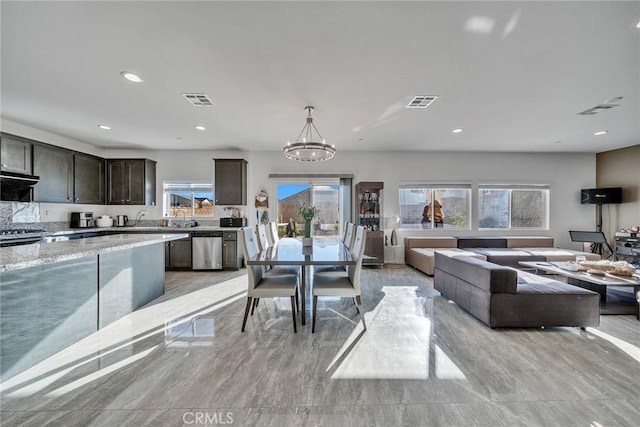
198, 99
422, 101
607, 105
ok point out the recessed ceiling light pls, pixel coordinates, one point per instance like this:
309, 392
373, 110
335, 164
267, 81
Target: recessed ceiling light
131, 77
602, 132
638, 25
104, 127
457, 130
200, 127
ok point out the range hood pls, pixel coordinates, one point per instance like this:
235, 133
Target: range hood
17, 187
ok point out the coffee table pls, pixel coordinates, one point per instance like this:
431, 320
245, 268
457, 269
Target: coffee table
595, 283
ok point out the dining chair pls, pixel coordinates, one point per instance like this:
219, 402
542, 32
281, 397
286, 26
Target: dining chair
260, 285
348, 235
261, 231
273, 226
263, 240
342, 285
347, 239
343, 231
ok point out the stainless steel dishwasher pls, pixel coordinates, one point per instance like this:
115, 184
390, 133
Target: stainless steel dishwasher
207, 250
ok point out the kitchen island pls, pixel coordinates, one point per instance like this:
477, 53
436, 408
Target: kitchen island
54, 294
178, 253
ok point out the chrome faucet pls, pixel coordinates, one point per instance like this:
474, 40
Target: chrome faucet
184, 217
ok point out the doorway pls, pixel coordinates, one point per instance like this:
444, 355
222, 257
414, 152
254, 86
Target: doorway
324, 195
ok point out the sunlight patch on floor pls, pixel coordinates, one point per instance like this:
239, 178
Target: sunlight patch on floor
142, 324
396, 344
630, 349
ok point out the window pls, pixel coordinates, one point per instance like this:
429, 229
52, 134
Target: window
513, 207
435, 206
193, 200
323, 195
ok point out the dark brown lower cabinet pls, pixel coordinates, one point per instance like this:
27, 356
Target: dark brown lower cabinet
177, 254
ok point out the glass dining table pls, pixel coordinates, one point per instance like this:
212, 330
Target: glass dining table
289, 251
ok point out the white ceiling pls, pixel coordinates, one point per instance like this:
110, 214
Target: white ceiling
514, 75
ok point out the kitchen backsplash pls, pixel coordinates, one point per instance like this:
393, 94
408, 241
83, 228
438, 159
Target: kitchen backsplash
33, 216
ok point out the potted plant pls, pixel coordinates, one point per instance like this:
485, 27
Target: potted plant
307, 212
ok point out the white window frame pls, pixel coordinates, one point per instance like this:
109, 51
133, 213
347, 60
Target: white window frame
186, 187
440, 186
546, 188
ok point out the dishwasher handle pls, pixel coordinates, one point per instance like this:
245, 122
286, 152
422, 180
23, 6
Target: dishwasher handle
206, 234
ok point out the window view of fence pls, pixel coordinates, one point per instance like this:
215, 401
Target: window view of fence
191, 200
324, 197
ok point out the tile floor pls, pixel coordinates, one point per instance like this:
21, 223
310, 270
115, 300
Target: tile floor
182, 361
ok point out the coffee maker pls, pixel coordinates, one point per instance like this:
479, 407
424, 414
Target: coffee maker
81, 219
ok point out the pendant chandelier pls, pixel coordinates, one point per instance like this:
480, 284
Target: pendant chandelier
309, 148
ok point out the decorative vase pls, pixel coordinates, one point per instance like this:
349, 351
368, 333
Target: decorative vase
394, 238
307, 240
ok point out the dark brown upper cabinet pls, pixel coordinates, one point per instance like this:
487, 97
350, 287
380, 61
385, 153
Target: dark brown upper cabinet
15, 154
230, 185
67, 176
131, 182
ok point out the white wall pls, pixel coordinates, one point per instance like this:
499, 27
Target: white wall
565, 173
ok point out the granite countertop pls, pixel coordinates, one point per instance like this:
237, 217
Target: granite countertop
124, 230
25, 256
145, 228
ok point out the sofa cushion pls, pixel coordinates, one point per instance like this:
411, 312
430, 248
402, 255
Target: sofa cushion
557, 254
507, 256
430, 242
487, 276
482, 242
529, 241
424, 258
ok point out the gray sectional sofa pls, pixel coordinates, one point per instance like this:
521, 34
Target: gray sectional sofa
419, 251
501, 296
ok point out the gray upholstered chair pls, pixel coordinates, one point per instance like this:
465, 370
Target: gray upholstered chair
262, 285
342, 285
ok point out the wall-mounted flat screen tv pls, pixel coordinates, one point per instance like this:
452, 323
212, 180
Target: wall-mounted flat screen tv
601, 196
